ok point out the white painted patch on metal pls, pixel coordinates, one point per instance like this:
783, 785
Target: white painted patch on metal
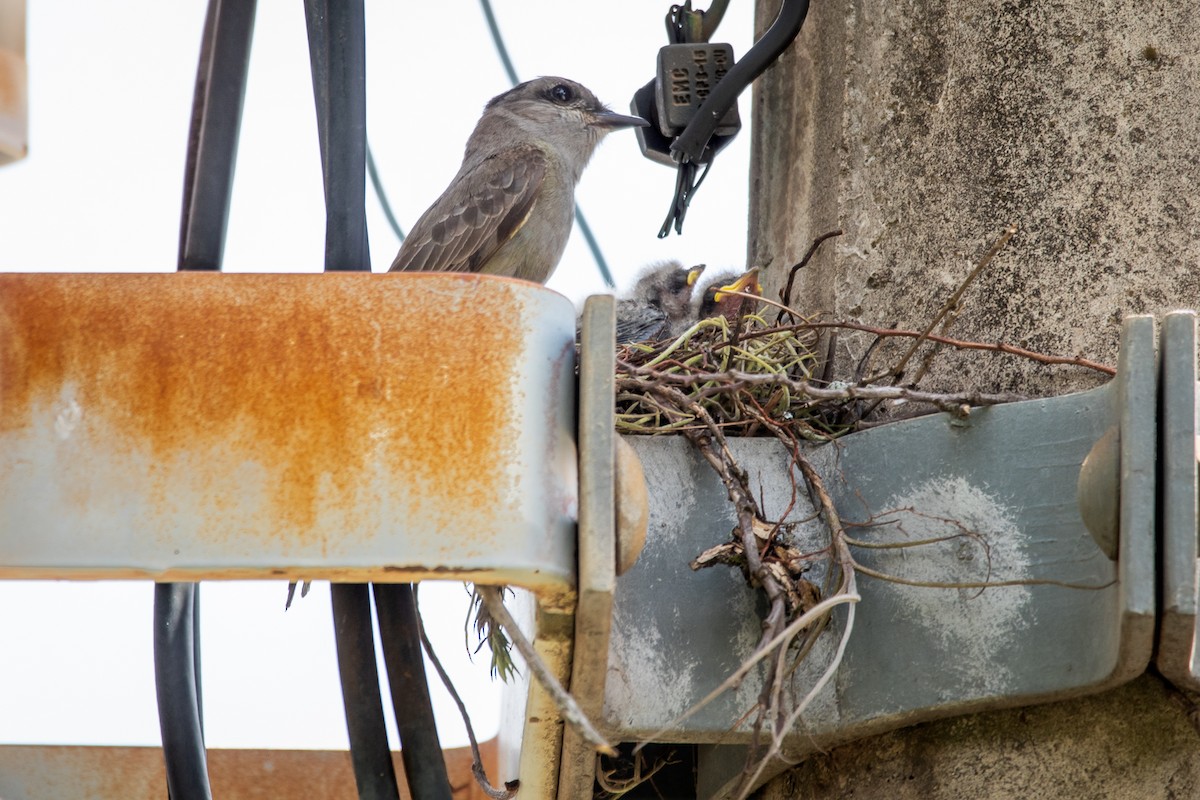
980, 543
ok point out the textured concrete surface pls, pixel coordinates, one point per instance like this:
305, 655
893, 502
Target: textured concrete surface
1134, 743
922, 127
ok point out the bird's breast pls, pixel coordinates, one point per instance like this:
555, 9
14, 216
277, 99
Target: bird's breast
536, 248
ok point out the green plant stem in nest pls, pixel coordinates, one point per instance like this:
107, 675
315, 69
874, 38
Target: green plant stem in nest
710, 348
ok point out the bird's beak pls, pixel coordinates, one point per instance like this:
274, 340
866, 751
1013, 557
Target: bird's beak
610, 119
694, 274
748, 282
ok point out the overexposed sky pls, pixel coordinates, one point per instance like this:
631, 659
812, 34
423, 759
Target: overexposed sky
110, 101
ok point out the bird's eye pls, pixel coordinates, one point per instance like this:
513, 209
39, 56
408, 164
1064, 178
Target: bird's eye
562, 94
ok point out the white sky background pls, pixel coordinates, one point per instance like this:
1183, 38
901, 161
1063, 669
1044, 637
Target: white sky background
110, 100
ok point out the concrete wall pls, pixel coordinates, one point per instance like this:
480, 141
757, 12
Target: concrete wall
1134, 743
921, 128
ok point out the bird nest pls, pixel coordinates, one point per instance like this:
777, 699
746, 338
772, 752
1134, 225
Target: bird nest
711, 362
767, 373
760, 373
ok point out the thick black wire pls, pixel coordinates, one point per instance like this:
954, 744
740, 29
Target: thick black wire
337, 53
400, 632
196, 671
691, 143
213, 134
220, 90
584, 228
337, 49
175, 686
374, 773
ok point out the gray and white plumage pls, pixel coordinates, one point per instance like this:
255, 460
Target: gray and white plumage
510, 208
659, 304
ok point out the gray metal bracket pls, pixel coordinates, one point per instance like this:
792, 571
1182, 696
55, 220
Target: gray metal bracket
597, 535
1175, 657
551, 755
1007, 478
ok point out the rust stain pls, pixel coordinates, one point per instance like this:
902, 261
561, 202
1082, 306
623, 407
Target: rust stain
12, 82
134, 773
312, 378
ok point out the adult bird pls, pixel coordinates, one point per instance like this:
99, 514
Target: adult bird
509, 209
659, 304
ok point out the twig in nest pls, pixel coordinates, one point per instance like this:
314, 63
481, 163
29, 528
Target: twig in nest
510, 787
786, 294
764, 569
989, 584
958, 344
713, 448
572, 714
958, 403
848, 589
609, 781
951, 305
810, 617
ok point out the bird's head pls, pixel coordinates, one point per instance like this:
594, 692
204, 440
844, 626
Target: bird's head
668, 286
718, 298
559, 113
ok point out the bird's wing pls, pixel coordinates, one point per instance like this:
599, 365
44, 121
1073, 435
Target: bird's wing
481, 210
638, 322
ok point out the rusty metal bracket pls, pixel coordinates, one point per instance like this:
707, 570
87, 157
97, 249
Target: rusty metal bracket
554, 761
322, 427
278, 446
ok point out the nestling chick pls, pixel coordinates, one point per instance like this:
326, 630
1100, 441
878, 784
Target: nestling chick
714, 298
659, 305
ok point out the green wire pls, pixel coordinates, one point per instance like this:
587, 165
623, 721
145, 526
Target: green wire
383, 201
584, 227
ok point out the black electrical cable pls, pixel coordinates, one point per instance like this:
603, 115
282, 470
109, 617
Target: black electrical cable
502, 50
213, 135
217, 101
691, 143
175, 686
374, 772
337, 53
400, 632
196, 671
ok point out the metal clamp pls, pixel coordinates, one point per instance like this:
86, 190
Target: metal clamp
1176, 657
1007, 476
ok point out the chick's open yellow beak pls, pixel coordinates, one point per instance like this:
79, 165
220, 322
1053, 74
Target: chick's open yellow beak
694, 274
747, 282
